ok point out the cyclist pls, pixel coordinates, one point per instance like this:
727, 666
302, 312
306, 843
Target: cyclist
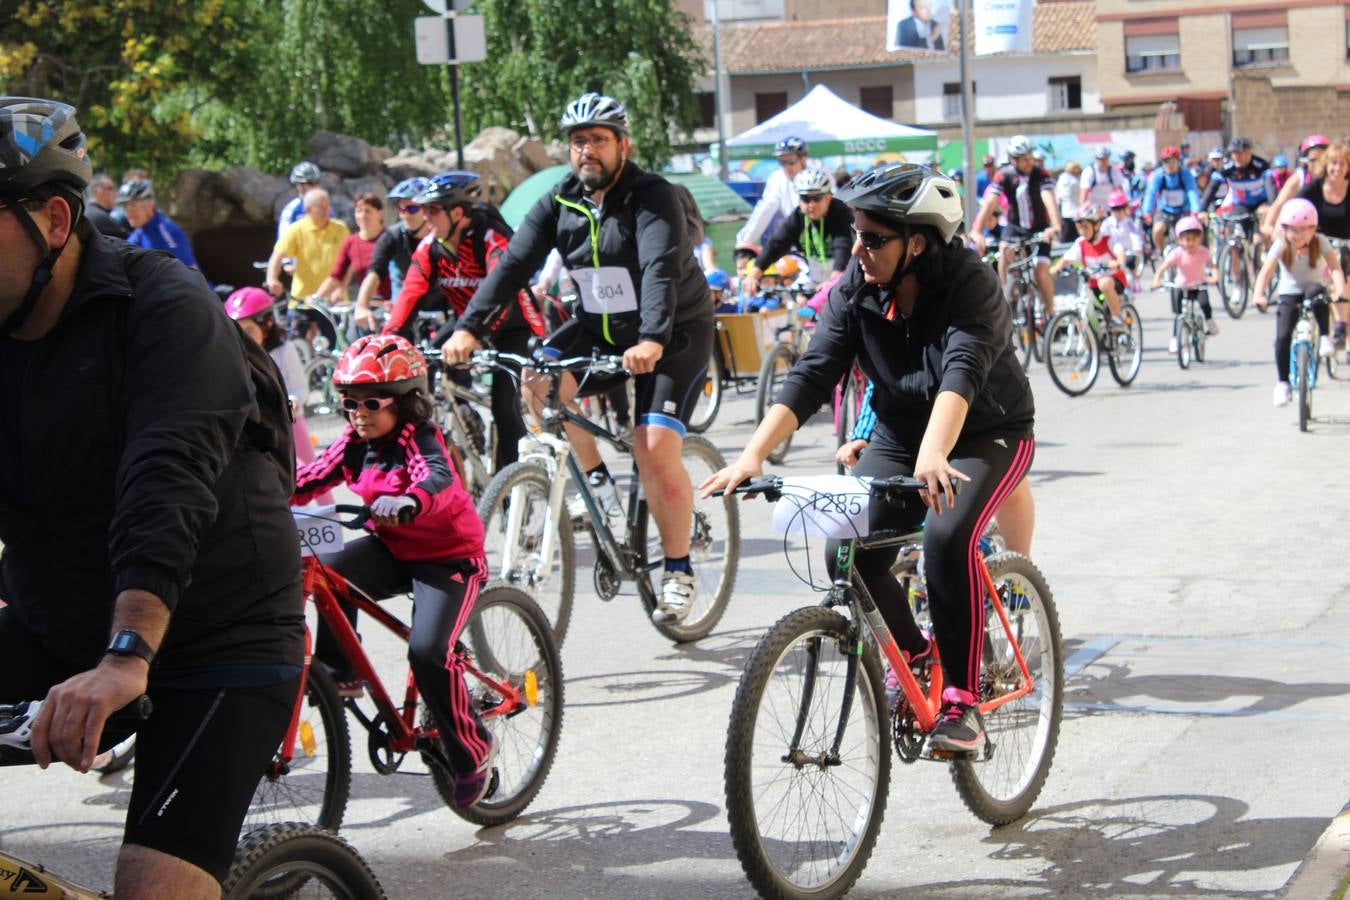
101, 202
1310, 152
393, 252
1302, 257
136, 503
1031, 210
1249, 183
1093, 248
425, 537
1329, 193
305, 177
819, 231
1122, 231
622, 236
1279, 170
313, 242
780, 197
1134, 182
1171, 194
926, 321
1100, 179
1191, 259
150, 228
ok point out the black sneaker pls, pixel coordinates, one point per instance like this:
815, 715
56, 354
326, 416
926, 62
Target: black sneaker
960, 729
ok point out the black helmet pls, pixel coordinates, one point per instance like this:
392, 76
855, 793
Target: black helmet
1239, 143
790, 145
455, 188
135, 190
595, 109
305, 173
908, 194
40, 144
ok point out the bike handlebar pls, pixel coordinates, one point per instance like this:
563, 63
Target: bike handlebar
771, 486
16, 725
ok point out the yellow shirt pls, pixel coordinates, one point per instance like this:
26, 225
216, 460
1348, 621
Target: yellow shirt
314, 250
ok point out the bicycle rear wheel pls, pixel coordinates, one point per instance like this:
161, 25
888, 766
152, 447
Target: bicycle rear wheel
1022, 733
1071, 353
709, 399
778, 362
282, 859
804, 823
1126, 346
850, 404
1023, 328
1301, 369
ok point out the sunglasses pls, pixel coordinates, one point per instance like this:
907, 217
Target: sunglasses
370, 404
873, 240
812, 198
411, 209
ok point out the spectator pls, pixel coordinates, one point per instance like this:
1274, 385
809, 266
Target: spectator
313, 243
305, 177
1066, 192
982, 177
354, 256
151, 228
101, 201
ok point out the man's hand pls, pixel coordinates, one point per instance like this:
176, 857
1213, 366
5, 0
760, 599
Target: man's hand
460, 347
642, 358
363, 316
1050, 234
72, 718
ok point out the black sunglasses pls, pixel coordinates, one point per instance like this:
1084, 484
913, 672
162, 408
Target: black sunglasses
410, 208
873, 240
812, 198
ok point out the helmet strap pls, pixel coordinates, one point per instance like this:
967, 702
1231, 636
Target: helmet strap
42, 276
906, 262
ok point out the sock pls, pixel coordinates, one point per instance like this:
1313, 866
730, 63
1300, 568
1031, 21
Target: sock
600, 470
679, 565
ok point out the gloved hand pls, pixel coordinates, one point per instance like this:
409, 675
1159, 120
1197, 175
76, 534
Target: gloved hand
393, 510
806, 312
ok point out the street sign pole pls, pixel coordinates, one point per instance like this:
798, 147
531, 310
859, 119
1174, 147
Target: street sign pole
450, 39
454, 90
972, 202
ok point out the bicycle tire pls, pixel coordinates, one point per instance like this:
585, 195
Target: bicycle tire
508, 637
314, 786
321, 397
1126, 353
850, 403
1301, 355
709, 400
1184, 345
773, 854
714, 560
1233, 288
1035, 310
1070, 340
1023, 328
1333, 365
1025, 729
778, 361
280, 859
1198, 338
553, 590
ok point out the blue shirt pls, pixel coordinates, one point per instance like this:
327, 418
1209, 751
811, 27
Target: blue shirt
1173, 193
161, 233
291, 213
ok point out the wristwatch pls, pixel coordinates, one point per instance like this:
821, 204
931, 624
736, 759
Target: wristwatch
129, 643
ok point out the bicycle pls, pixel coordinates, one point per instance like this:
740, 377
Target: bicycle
512, 670
1235, 261
1303, 355
1024, 299
530, 536
1188, 325
848, 400
469, 436
807, 765
1076, 340
789, 344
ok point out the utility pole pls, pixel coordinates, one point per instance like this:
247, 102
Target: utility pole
719, 97
972, 203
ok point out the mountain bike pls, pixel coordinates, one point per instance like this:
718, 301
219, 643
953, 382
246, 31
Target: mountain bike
808, 759
789, 344
464, 414
1024, 298
1235, 260
1188, 325
1078, 338
530, 537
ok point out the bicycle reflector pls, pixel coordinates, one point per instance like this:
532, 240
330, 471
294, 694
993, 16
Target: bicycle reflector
531, 688
307, 738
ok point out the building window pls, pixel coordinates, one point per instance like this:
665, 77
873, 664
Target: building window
1152, 53
877, 100
769, 105
707, 109
1066, 93
1260, 46
951, 99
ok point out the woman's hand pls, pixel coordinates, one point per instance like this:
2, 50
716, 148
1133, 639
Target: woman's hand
389, 511
847, 454
728, 478
933, 468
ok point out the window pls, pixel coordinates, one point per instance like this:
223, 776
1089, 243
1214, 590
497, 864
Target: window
951, 99
1152, 53
707, 109
1066, 93
877, 100
1260, 46
769, 105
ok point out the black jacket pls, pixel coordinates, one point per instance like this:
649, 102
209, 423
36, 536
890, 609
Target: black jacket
835, 241
640, 228
133, 408
958, 339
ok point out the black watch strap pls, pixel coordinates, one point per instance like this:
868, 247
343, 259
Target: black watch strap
128, 643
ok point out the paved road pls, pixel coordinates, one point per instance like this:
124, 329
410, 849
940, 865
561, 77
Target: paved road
1185, 528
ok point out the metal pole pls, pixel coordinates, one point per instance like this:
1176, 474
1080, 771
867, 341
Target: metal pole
972, 203
454, 91
719, 97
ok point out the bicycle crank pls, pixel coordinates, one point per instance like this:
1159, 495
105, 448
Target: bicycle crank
606, 579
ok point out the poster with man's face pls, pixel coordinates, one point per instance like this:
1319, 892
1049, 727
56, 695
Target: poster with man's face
918, 24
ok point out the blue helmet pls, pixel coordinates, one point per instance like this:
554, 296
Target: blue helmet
454, 188
1282, 161
408, 188
790, 145
718, 280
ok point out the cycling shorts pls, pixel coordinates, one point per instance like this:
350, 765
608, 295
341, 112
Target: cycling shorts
663, 398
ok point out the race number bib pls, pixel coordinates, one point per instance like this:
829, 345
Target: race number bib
317, 528
832, 506
606, 290
1173, 199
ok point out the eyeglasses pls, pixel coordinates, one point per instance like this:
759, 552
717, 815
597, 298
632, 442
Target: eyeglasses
596, 142
790, 162
873, 240
370, 404
411, 209
811, 198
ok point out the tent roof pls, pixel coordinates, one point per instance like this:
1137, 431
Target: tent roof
832, 126
524, 195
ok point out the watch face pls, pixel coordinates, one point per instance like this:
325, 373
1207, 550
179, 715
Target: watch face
123, 643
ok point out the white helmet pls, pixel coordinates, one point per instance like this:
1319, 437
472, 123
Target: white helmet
1019, 145
907, 193
595, 109
811, 181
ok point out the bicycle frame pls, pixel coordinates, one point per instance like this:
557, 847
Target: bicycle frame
1306, 334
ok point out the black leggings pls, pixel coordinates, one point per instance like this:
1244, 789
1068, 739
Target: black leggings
1287, 313
996, 464
1202, 296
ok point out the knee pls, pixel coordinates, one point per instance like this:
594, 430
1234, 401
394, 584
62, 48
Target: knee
427, 654
143, 872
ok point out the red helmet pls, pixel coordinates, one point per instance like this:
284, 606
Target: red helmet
386, 361
1170, 152
247, 302
1314, 141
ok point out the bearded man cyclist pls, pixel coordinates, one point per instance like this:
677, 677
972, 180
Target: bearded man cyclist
820, 231
1031, 209
622, 236
1172, 193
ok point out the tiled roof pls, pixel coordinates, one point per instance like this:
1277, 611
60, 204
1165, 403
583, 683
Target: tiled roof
855, 43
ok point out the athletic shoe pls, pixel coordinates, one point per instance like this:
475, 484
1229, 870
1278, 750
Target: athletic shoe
1211, 327
472, 788
1283, 393
1325, 347
919, 664
960, 727
677, 597
1173, 346
1338, 335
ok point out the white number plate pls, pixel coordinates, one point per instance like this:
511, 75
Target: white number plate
317, 529
608, 289
832, 506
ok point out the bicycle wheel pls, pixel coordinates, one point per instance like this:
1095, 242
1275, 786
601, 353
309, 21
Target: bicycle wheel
509, 640
1071, 353
280, 860
1301, 368
1233, 286
1022, 733
804, 823
1126, 346
321, 397
1182, 329
1023, 328
1198, 336
850, 403
1035, 313
708, 400
778, 361
313, 786
523, 488
714, 547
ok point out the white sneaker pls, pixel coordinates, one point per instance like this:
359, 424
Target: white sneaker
1173, 346
1325, 347
677, 597
1211, 327
1283, 394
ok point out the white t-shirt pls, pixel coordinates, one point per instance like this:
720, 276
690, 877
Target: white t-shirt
1101, 184
1123, 234
1067, 192
775, 204
1305, 274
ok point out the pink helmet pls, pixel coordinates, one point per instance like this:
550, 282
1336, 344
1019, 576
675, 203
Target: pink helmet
1188, 223
1298, 213
1117, 199
247, 302
1312, 141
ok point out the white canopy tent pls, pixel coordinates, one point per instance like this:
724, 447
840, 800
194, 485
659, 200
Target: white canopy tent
832, 127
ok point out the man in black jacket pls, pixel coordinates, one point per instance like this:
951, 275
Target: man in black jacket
820, 230
148, 548
621, 233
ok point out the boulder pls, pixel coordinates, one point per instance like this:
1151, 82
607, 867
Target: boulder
490, 155
532, 153
412, 164
198, 199
344, 155
260, 197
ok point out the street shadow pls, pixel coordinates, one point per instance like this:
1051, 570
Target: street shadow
1046, 476
729, 649
1172, 388
623, 688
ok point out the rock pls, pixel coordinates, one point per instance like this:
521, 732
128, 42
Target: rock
490, 155
260, 197
346, 156
410, 164
532, 153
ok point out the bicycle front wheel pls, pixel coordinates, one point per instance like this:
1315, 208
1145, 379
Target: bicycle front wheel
1071, 353
1021, 733
803, 817
778, 362
321, 398
1023, 327
1301, 369
709, 399
1125, 347
279, 860
1182, 330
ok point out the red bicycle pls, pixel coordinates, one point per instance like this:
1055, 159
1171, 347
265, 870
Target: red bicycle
512, 671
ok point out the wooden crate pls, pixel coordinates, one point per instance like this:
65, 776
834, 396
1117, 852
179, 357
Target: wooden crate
744, 337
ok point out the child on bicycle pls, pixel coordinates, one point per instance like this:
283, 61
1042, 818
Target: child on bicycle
1123, 232
1093, 249
425, 536
1191, 261
1303, 258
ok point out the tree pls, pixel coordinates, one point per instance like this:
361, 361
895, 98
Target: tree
543, 54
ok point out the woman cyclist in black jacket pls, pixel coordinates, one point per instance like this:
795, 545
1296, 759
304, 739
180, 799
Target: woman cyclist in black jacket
927, 323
